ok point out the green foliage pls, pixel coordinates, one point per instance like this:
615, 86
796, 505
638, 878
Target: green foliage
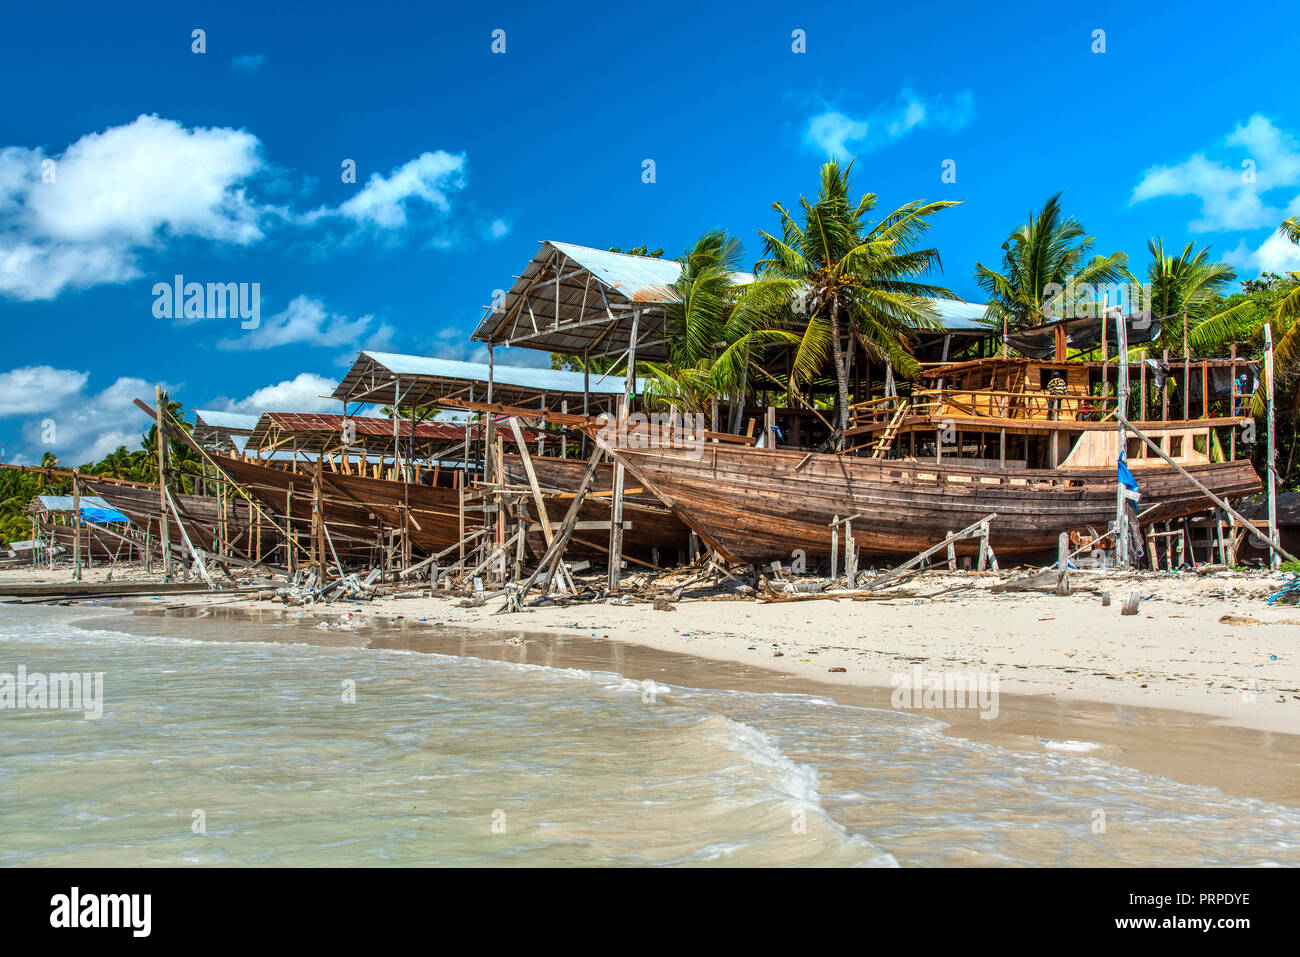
1046, 252
597, 364
849, 277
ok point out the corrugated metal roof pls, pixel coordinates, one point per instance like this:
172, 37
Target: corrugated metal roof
956, 316
554, 381
636, 278
63, 503
578, 300
364, 425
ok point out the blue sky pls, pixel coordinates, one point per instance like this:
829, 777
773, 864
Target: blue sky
226, 165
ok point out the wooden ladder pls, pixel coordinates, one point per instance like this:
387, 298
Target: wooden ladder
886, 440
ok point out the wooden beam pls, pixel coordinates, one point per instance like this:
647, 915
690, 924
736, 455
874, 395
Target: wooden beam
556, 549
538, 499
1278, 549
972, 529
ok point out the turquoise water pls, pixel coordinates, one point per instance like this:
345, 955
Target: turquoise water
455, 761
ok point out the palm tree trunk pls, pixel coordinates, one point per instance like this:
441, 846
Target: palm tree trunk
738, 410
841, 376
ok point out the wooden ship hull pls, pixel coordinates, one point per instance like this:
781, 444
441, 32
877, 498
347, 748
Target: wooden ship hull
758, 505
95, 542
202, 516
357, 509
654, 528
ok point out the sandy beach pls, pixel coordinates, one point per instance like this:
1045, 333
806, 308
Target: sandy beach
1201, 686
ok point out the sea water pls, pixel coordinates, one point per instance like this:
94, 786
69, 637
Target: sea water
283, 753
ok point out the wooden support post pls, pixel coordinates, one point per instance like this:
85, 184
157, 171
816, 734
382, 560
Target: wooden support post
76, 528
1205, 393
531, 474
1142, 404
498, 571
616, 530
1271, 451
164, 532
835, 547
318, 521
1063, 564
290, 545
1105, 349
1164, 393
1131, 603
850, 556
1121, 441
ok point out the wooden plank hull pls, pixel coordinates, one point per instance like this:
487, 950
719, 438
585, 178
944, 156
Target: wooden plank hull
95, 543
201, 515
653, 525
357, 507
757, 505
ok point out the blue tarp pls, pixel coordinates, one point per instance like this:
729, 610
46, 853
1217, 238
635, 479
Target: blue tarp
93, 508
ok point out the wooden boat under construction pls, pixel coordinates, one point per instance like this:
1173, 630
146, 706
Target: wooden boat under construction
990, 436
757, 505
223, 526
96, 543
651, 530
359, 511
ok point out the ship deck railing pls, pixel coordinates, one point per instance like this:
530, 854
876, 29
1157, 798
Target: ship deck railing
986, 404
1003, 407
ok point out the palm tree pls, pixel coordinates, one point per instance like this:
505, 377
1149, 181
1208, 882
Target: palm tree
1188, 285
117, 463
1290, 228
1041, 261
1286, 330
721, 325
856, 278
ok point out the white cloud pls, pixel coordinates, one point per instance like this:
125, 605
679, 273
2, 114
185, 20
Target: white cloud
38, 389
306, 321
383, 201
1256, 159
840, 135
116, 193
1276, 254
84, 428
302, 393
497, 229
